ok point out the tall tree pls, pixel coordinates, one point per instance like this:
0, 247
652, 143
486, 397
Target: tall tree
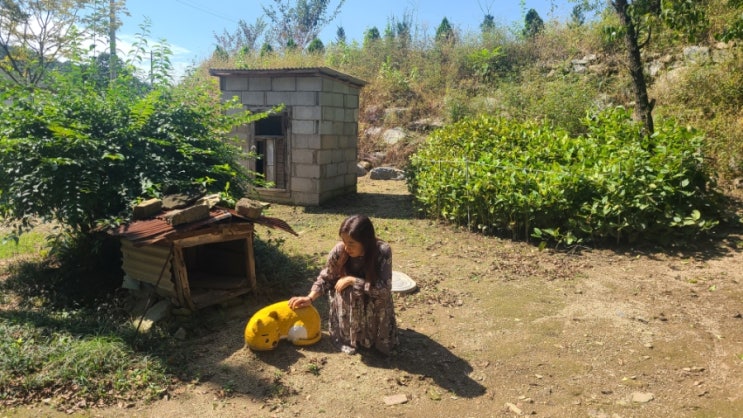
340, 36
316, 47
299, 20
34, 35
533, 23
246, 36
637, 18
643, 108
444, 33
371, 35
488, 21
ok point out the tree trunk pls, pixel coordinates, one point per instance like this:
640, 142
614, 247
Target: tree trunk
643, 108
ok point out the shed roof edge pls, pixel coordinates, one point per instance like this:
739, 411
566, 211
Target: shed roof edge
316, 71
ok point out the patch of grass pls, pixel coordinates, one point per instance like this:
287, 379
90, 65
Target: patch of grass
42, 362
29, 243
68, 341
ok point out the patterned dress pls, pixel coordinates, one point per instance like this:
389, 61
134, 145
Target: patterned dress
361, 315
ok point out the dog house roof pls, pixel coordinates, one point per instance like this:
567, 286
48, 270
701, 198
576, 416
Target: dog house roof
158, 229
300, 71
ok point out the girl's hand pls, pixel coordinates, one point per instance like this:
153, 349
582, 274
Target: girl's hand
344, 282
300, 302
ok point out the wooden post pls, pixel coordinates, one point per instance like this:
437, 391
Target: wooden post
183, 290
250, 256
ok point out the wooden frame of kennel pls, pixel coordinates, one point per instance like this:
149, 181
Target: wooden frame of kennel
163, 256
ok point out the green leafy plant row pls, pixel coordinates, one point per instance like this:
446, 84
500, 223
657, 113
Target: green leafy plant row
497, 175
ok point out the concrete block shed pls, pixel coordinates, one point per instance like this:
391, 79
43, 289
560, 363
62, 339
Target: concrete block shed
309, 151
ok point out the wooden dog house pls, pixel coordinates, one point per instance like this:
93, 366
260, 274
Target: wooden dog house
195, 264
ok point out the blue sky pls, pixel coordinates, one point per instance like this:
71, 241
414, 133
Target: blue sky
189, 25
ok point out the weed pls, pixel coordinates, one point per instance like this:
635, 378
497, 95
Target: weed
314, 369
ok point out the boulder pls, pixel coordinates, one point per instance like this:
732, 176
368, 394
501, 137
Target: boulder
387, 173
393, 136
361, 169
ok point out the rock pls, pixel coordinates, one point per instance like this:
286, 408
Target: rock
387, 173
642, 397
155, 313
130, 284
373, 132
180, 334
180, 200
513, 408
393, 136
148, 208
654, 68
579, 66
188, 215
697, 54
210, 200
398, 399
250, 208
361, 169
373, 159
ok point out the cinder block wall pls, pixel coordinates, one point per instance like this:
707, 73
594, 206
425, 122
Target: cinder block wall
322, 133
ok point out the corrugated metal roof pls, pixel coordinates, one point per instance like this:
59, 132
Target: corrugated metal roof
300, 71
157, 229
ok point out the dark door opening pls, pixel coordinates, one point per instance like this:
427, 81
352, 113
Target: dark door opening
270, 145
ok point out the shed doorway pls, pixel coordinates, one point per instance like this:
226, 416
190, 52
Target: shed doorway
270, 144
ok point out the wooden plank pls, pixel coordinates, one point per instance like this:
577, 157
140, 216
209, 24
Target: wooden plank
206, 280
226, 233
181, 279
250, 257
213, 297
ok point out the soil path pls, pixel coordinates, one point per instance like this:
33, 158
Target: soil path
497, 329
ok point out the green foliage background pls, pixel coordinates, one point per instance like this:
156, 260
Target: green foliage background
80, 155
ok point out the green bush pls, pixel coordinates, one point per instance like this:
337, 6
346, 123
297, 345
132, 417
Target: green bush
497, 175
78, 155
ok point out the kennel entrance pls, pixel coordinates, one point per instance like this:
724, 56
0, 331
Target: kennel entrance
208, 269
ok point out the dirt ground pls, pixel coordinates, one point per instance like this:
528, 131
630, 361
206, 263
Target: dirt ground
496, 329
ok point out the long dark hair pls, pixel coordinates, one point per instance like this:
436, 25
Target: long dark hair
361, 229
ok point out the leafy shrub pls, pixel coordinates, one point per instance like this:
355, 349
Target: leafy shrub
497, 175
78, 155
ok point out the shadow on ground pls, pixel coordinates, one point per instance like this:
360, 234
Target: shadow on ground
418, 355
424, 357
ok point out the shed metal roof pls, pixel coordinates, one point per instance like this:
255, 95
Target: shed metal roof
299, 71
158, 229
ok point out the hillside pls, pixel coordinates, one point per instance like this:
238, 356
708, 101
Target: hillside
562, 74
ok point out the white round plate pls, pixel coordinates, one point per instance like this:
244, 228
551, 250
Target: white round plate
402, 283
